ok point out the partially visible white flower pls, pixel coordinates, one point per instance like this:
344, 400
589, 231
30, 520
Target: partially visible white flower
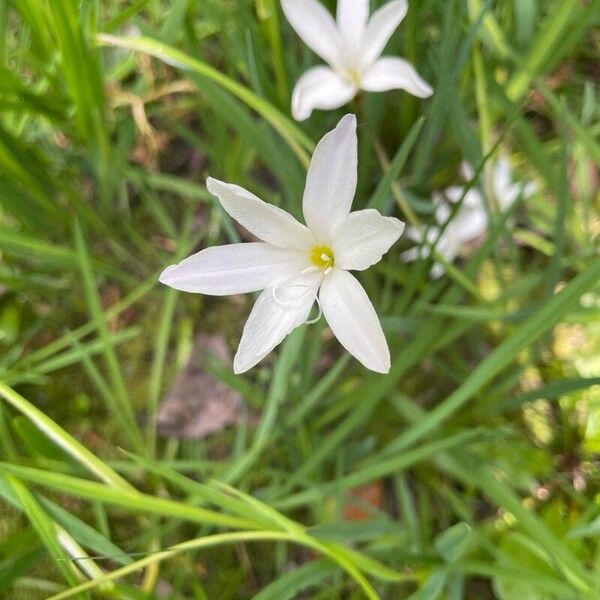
352, 48
470, 220
295, 264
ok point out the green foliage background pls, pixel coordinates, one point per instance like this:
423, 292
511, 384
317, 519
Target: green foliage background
482, 441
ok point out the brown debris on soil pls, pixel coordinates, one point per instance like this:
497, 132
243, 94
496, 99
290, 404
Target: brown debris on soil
198, 404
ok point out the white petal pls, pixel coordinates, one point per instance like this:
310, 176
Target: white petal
379, 30
391, 73
529, 189
352, 18
473, 200
315, 25
417, 235
473, 225
453, 193
436, 271
363, 238
353, 320
331, 180
233, 269
267, 222
421, 237
502, 177
320, 87
273, 317
411, 254
466, 170
507, 199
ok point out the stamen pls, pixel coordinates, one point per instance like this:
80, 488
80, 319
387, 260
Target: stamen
328, 270
289, 303
310, 270
312, 321
322, 257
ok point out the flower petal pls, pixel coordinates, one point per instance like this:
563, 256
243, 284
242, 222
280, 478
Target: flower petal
331, 180
352, 18
529, 188
391, 73
468, 224
454, 194
501, 177
466, 171
320, 87
379, 30
363, 238
411, 254
266, 221
353, 320
315, 25
506, 191
274, 315
233, 269
427, 237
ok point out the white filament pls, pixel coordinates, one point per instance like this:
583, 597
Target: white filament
310, 269
311, 321
292, 302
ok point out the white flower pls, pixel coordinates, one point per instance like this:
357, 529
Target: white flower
294, 263
470, 220
352, 48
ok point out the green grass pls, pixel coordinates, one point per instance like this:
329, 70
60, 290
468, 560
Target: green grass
481, 443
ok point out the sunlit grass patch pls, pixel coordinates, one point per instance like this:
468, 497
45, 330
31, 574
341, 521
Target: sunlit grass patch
469, 471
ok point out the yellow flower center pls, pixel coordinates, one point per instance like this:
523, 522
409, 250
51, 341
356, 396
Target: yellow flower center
354, 76
322, 257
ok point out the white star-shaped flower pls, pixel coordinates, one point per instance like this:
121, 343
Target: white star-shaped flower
470, 221
352, 48
297, 265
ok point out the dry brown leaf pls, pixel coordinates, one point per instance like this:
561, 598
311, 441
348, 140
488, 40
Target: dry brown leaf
372, 493
198, 404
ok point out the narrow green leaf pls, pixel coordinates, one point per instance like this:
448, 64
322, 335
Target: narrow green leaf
63, 440
292, 584
46, 529
381, 193
288, 130
126, 498
538, 324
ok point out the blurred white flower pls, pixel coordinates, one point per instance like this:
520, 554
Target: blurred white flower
296, 265
351, 47
470, 220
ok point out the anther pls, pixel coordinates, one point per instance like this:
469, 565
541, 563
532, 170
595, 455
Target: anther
328, 270
325, 257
